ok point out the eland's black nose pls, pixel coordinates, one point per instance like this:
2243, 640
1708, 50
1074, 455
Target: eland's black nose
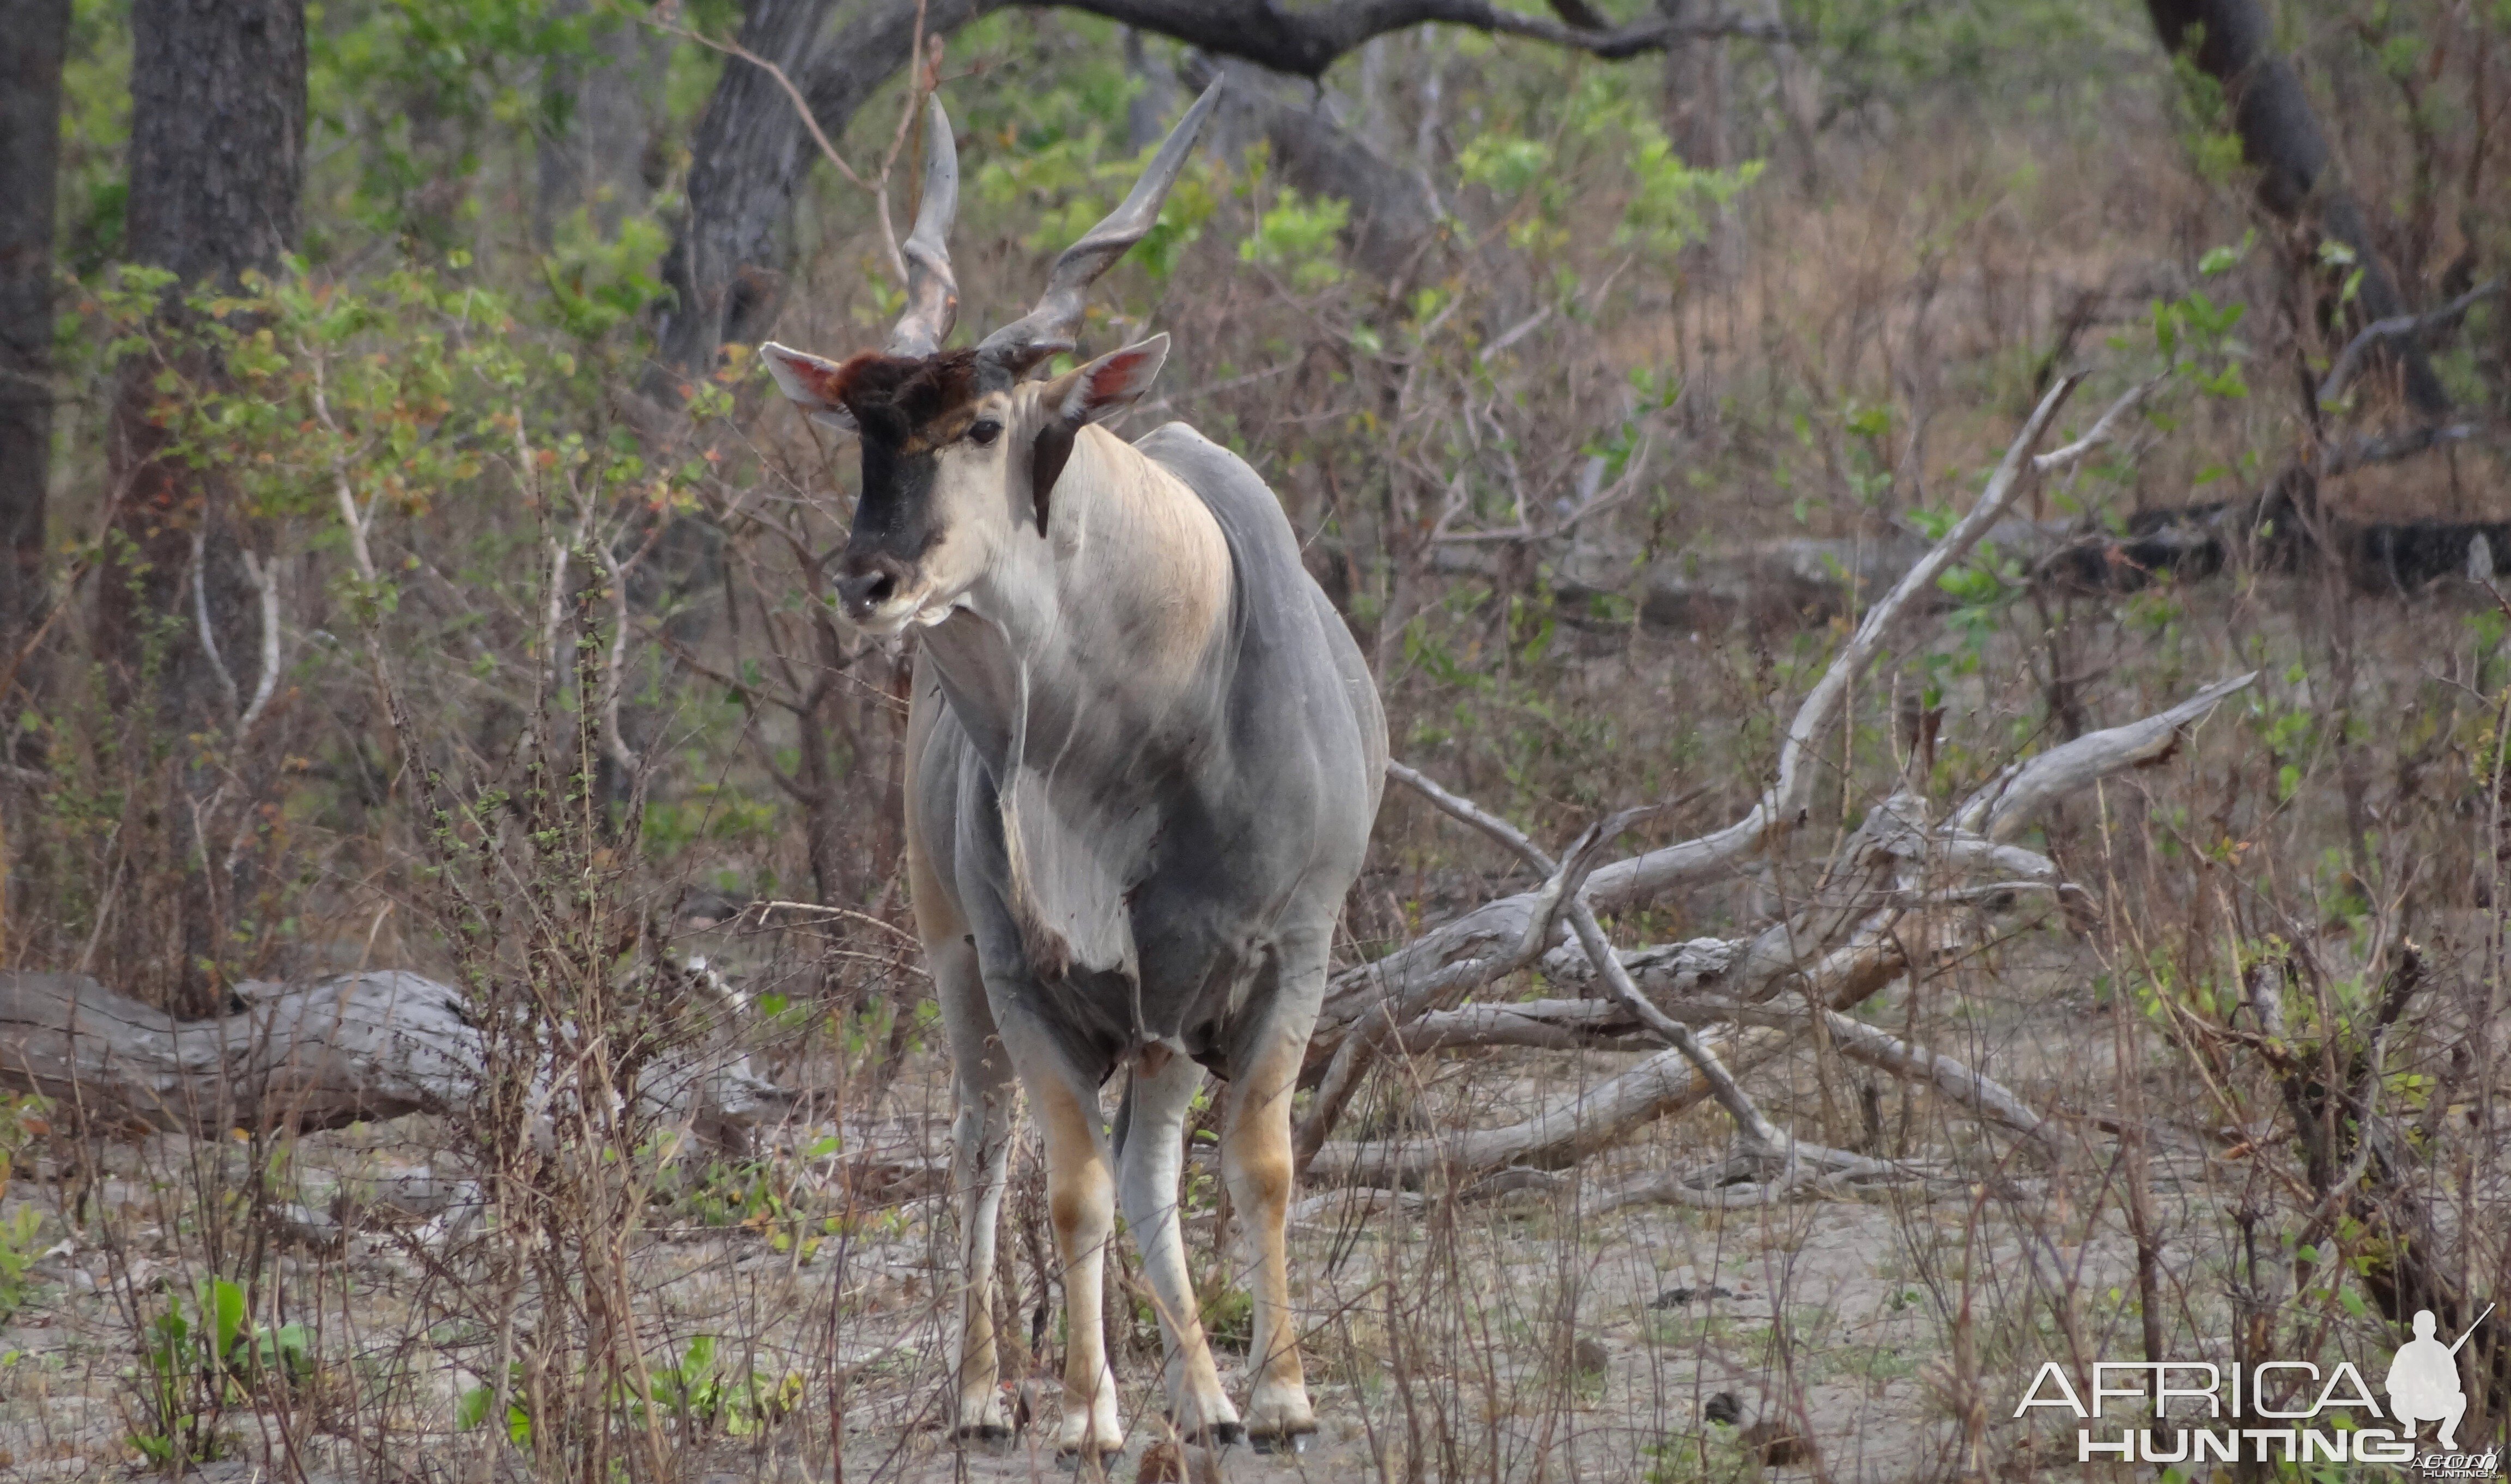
866, 583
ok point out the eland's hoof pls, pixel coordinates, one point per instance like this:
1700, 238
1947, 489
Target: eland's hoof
982, 1434
1218, 1435
1279, 1418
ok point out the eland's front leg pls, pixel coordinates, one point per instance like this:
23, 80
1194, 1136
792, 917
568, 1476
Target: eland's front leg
1150, 1151
979, 1157
1080, 1199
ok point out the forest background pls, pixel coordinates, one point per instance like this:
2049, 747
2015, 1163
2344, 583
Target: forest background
408, 567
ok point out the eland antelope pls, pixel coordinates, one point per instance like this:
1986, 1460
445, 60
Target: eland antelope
1143, 760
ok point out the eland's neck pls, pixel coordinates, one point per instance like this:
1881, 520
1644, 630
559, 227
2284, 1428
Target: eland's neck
1093, 645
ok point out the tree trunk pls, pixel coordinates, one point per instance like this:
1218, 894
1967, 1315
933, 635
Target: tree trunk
218, 134
1149, 111
217, 93
32, 35
725, 268
2280, 136
726, 265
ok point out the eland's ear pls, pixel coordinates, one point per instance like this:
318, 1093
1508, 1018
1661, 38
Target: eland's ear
810, 382
1111, 383
1086, 394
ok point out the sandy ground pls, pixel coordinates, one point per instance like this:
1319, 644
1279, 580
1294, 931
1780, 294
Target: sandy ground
1507, 1339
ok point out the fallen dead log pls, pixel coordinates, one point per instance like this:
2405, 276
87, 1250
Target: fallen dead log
2279, 531
361, 1047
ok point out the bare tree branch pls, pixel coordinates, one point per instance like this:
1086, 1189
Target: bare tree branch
1556, 1138
1304, 41
2019, 794
2395, 327
1595, 1025
1434, 964
265, 582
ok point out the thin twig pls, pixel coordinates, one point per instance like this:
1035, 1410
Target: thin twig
2396, 327
352, 519
765, 907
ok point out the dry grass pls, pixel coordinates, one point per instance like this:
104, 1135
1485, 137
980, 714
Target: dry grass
1943, 259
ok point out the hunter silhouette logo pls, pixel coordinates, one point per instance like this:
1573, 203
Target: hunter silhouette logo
2423, 1381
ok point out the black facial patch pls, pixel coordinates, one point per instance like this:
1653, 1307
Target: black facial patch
1046, 460
907, 409
894, 518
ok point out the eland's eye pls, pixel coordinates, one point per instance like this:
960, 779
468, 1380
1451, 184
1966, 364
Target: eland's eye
986, 431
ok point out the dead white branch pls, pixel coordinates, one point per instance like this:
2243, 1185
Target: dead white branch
2018, 794
199, 580
1562, 883
2104, 428
1460, 953
1760, 1137
265, 582
1596, 1025
1895, 898
1560, 1136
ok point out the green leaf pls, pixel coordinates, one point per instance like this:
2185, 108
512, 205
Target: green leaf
225, 1306
471, 1409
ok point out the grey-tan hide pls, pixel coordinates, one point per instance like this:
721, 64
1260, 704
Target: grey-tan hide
1143, 776
1132, 869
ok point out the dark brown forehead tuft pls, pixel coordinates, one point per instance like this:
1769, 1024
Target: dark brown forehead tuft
909, 402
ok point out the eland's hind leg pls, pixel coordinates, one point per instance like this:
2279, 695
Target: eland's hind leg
980, 1155
1256, 1162
1150, 1151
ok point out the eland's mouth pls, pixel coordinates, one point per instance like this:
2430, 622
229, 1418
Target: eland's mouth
890, 611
